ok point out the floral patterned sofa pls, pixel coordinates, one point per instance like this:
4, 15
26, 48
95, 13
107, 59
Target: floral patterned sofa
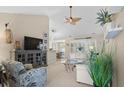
20, 77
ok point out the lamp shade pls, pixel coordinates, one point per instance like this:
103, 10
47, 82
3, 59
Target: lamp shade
8, 36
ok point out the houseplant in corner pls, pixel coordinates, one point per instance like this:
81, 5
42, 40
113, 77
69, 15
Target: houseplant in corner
100, 67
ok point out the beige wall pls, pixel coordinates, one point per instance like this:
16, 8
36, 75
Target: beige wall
119, 40
21, 25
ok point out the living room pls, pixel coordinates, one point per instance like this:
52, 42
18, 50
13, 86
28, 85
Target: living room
22, 30
48, 44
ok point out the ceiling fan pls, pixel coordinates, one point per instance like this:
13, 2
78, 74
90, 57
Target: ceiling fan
72, 20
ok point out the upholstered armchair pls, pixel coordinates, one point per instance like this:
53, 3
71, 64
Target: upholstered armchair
19, 77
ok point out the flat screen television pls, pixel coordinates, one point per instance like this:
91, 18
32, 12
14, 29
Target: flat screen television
31, 43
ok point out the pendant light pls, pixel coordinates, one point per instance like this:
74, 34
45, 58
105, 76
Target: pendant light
9, 37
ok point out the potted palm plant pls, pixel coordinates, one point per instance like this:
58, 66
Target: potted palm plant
100, 68
103, 17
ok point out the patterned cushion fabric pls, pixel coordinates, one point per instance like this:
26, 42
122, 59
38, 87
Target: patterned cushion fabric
40, 76
21, 78
26, 79
34, 77
16, 68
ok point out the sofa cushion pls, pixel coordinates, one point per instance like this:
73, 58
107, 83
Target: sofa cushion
34, 77
16, 68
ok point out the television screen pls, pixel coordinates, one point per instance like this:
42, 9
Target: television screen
31, 43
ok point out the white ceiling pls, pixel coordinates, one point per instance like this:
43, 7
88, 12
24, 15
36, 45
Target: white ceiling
86, 27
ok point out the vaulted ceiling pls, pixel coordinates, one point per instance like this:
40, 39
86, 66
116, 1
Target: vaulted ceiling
86, 27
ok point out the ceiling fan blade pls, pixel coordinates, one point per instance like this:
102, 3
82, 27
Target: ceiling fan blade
76, 19
72, 23
66, 22
67, 18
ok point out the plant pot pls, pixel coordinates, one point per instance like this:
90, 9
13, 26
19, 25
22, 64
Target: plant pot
107, 27
99, 86
95, 85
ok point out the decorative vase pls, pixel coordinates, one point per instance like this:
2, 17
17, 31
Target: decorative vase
17, 45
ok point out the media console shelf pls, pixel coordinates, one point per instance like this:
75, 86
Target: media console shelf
34, 57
